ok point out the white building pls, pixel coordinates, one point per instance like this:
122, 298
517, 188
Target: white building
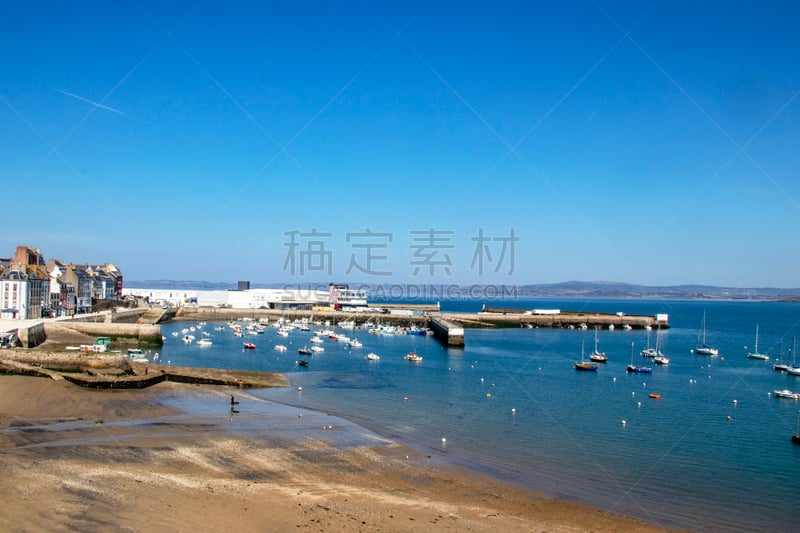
235, 299
23, 293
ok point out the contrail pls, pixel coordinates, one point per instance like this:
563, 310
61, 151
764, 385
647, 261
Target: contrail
101, 106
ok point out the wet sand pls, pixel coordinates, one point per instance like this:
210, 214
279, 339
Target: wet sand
75, 459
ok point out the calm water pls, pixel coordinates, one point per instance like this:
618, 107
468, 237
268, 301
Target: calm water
511, 404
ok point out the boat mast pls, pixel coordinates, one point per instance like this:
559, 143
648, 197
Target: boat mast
756, 338
704, 328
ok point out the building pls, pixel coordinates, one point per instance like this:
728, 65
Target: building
28, 255
24, 292
291, 299
80, 277
62, 293
342, 296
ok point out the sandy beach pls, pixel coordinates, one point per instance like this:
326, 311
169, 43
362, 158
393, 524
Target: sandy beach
89, 460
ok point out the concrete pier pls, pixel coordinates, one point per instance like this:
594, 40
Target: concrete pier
449, 333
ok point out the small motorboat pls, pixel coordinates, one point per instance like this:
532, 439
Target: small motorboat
304, 351
786, 393
280, 348
413, 357
249, 346
373, 357
204, 342
302, 362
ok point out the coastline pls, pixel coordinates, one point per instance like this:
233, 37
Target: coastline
86, 458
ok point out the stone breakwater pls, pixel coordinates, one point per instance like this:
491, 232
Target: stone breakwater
113, 371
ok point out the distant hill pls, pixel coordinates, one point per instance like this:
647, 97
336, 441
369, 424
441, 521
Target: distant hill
610, 289
566, 289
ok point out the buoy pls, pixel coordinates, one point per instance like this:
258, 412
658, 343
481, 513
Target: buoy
624, 422
644, 385
299, 389
444, 441
488, 395
513, 411
405, 398
615, 380
481, 380
735, 402
729, 417
633, 393
638, 404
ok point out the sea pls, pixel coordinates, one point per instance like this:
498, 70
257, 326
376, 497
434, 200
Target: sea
713, 453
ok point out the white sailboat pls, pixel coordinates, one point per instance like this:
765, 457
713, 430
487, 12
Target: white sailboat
755, 353
597, 356
794, 370
650, 352
701, 348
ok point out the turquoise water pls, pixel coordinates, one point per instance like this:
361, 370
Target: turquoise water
714, 453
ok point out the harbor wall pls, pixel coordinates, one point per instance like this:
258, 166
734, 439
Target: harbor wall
143, 334
32, 336
448, 333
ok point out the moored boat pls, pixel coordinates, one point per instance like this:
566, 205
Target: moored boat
583, 365
249, 346
796, 436
637, 368
597, 356
373, 357
413, 357
786, 393
701, 348
755, 354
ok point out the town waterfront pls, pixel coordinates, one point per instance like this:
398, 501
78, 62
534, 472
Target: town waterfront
713, 453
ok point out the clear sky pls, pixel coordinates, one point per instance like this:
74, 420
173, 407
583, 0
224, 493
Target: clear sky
647, 142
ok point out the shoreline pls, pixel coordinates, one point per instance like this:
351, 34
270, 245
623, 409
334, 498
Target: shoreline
218, 474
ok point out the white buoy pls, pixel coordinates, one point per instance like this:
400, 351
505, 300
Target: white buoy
735, 402
644, 385
624, 422
638, 404
481, 380
633, 393
444, 442
513, 411
299, 389
615, 380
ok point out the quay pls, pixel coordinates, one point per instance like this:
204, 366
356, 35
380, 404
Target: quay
448, 332
556, 318
141, 326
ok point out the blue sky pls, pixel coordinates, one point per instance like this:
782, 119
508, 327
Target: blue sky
648, 142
